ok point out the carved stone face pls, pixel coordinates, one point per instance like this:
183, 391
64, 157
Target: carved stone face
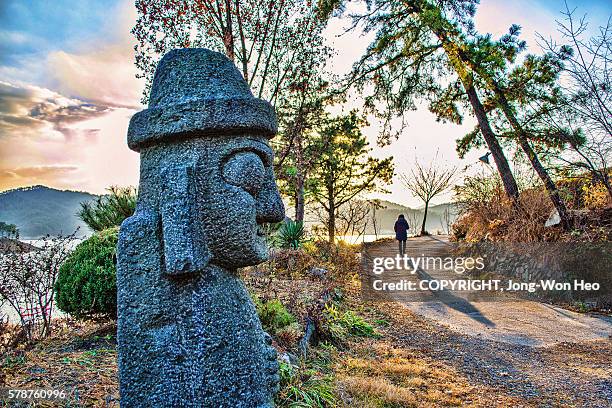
237, 194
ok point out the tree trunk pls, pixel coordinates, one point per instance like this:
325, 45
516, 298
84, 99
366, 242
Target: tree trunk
423, 231
244, 58
299, 198
331, 220
331, 227
300, 177
459, 65
228, 34
548, 182
497, 152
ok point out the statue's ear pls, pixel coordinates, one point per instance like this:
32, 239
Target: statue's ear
185, 248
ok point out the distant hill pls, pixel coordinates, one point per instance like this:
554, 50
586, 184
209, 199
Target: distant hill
436, 217
39, 210
8, 245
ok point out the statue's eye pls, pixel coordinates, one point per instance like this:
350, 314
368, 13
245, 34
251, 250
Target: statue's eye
245, 170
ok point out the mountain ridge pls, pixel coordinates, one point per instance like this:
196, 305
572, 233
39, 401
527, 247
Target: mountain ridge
40, 210
40, 186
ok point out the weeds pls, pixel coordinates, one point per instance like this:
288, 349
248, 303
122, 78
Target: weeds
13, 360
277, 320
308, 385
341, 324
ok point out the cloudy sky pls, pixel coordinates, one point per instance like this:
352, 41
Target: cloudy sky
68, 89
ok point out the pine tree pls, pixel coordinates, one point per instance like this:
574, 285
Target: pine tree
343, 168
417, 55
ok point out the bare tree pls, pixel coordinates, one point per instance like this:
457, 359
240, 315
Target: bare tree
593, 155
352, 218
587, 83
413, 220
586, 64
446, 221
374, 206
27, 279
428, 182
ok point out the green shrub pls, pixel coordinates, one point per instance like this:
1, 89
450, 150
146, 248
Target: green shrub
109, 210
86, 285
339, 325
273, 315
291, 235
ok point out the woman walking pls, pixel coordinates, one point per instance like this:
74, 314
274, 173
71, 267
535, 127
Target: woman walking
401, 233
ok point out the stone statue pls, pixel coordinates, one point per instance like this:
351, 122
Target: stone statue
188, 333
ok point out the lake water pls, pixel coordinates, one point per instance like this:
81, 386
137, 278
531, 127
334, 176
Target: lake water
351, 239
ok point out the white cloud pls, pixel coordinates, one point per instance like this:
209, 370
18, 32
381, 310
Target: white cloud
106, 75
48, 138
103, 70
29, 108
70, 132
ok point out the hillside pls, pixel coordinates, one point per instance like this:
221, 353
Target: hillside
8, 245
436, 218
40, 210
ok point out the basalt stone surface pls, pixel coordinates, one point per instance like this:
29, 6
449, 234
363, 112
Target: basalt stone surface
188, 333
196, 90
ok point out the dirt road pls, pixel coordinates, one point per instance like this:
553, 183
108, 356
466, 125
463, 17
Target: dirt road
549, 355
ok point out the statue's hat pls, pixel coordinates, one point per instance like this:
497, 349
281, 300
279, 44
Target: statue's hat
198, 92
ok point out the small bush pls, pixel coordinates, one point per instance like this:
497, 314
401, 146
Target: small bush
339, 325
583, 193
292, 263
291, 235
273, 315
289, 336
595, 196
498, 220
109, 210
86, 285
340, 259
27, 284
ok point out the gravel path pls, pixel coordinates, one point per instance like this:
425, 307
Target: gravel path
565, 374
549, 356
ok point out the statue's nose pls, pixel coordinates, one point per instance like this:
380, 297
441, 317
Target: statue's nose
270, 207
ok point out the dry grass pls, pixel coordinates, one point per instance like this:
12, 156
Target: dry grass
78, 358
498, 220
379, 390
385, 376
376, 374
487, 215
368, 373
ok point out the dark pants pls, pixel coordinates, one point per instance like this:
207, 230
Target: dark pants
402, 247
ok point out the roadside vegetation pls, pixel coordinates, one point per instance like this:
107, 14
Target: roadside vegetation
486, 215
334, 349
